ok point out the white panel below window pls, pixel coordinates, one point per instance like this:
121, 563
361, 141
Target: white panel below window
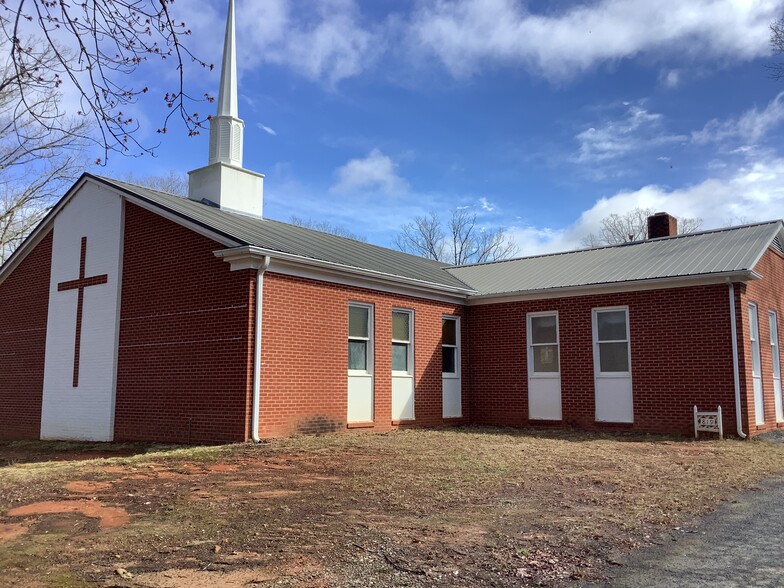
544, 399
402, 398
759, 402
614, 400
452, 398
360, 399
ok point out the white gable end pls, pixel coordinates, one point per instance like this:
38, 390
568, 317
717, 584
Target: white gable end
81, 355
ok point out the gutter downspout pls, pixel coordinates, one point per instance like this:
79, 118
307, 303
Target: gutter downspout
254, 426
735, 370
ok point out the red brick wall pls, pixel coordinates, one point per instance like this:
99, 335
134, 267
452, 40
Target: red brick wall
305, 356
767, 294
681, 355
185, 337
24, 300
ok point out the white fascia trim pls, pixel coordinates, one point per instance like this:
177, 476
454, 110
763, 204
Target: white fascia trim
779, 233
633, 286
295, 265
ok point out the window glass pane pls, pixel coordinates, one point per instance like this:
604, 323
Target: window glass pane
449, 355
613, 357
357, 355
358, 321
449, 332
400, 326
545, 358
611, 325
543, 329
400, 357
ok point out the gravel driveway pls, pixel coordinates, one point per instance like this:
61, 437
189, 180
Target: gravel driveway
740, 544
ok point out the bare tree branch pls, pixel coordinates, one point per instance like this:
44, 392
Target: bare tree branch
325, 227
95, 48
632, 226
460, 242
777, 44
37, 161
171, 183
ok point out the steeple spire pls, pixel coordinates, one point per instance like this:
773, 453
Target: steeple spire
224, 182
226, 129
227, 97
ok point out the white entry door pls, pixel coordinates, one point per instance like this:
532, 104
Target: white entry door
774, 352
402, 365
544, 367
612, 365
452, 400
756, 365
360, 363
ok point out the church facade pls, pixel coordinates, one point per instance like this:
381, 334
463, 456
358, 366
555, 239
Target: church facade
135, 315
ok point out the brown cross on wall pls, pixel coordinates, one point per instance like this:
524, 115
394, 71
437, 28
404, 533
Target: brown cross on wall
80, 284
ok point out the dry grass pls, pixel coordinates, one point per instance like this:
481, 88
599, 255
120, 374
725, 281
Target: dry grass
462, 507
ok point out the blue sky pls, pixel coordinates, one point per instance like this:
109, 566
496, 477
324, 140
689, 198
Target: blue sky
542, 116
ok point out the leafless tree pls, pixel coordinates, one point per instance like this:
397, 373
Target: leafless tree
777, 44
37, 162
325, 227
171, 183
458, 241
91, 50
632, 226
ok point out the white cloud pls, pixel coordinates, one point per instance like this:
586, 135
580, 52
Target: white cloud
326, 44
466, 34
750, 127
636, 130
266, 129
374, 172
670, 78
754, 192
486, 205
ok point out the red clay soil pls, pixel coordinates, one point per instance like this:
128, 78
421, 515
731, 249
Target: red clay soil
86, 487
10, 531
110, 516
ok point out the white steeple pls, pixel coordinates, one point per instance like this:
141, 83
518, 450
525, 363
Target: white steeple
224, 182
226, 128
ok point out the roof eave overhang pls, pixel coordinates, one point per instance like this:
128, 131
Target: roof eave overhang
248, 257
608, 288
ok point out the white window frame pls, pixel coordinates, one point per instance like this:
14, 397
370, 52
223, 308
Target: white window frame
369, 339
409, 342
532, 373
775, 351
456, 373
754, 338
596, 358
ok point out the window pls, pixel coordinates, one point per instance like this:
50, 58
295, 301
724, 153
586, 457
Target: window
543, 343
402, 355
756, 361
611, 333
450, 346
774, 345
360, 329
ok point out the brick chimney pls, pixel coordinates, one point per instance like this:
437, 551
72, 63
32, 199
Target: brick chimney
662, 224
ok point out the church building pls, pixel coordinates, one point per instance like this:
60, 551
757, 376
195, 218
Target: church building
135, 315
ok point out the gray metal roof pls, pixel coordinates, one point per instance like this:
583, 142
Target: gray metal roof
293, 240
734, 249
722, 251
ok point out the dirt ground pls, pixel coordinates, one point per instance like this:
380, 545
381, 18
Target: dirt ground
461, 507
